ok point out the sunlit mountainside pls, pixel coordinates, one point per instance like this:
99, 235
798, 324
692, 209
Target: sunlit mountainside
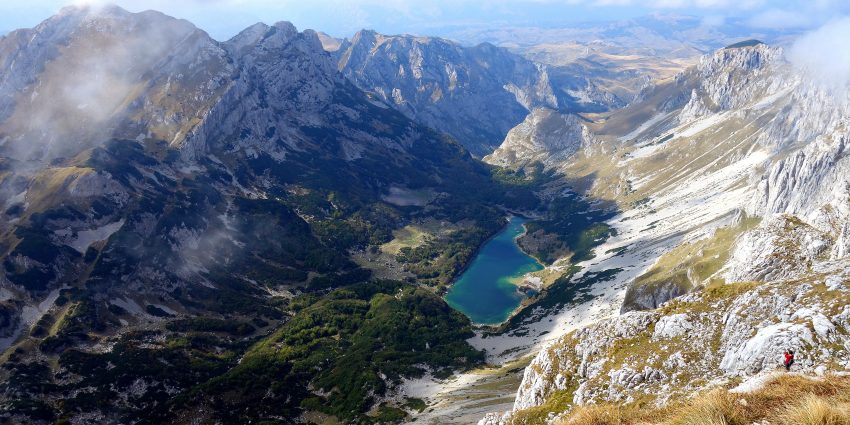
616, 222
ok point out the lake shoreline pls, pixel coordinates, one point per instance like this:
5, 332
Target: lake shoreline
488, 291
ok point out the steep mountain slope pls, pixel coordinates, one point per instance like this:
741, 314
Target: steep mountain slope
177, 212
447, 86
452, 88
545, 136
732, 182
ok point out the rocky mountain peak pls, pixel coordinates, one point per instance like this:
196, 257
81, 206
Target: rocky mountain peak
731, 78
365, 36
743, 58
288, 28
117, 20
280, 36
545, 135
246, 39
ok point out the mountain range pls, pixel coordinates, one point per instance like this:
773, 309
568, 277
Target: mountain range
262, 230
449, 87
188, 200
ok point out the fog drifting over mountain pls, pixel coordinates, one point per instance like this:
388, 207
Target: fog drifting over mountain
825, 53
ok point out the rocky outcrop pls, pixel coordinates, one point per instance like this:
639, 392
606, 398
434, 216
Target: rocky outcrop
549, 371
783, 247
729, 78
732, 77
545, 136
695, 342
648, 297
808, 179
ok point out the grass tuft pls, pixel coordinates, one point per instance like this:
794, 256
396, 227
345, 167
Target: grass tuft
788, 399
598, 415
814, 410
716, 407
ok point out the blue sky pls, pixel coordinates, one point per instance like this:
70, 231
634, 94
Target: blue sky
224, 18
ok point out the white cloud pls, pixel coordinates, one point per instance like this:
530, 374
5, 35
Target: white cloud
825, 53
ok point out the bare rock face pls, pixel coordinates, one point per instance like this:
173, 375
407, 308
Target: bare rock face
734, 76
783, 247
545, 135
283, 81
808, 179
448, 87
730, 78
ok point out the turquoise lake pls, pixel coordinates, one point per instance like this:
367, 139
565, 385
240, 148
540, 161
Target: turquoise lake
485, 292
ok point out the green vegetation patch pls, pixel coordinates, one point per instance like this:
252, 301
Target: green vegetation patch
207, 324
684, 267
349, 347
573, 227
745, 43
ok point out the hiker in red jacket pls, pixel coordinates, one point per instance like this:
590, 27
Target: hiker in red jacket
789, 359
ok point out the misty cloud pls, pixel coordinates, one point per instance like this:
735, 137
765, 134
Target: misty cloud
825, 53
80, 97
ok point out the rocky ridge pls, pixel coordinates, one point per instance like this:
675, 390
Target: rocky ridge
545, 136
446, 86
134, 233
786, 277
720, 335
450, 87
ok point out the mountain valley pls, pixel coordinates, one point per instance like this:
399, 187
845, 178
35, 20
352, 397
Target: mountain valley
265, 229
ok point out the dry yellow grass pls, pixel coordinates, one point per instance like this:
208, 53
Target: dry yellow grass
787, 400
813, 410
598, 415
716, 407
